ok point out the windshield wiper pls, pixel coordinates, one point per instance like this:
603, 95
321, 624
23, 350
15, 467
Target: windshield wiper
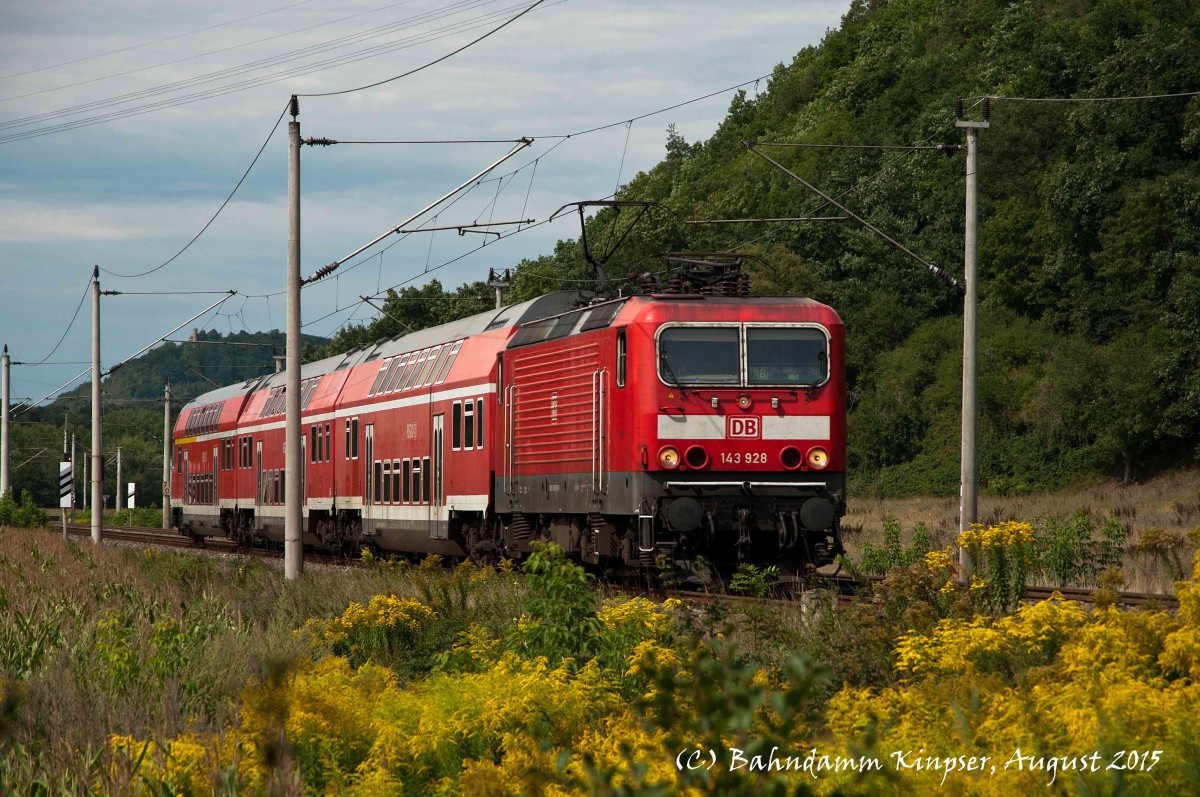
671, 373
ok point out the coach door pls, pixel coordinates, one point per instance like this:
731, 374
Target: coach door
216, 501
259, 498
187, 484
368, 474
438, 525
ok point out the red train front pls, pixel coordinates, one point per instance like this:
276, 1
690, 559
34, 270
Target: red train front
669, 426
677, 426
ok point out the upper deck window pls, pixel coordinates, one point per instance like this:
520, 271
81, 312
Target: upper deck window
786, 356
779, 355
699, 356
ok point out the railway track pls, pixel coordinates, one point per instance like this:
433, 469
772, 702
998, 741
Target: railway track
173, 539
845, 588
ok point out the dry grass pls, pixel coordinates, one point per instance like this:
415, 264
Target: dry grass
1170, 502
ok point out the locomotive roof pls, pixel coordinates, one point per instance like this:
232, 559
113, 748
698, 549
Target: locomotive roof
547, 306
551, 316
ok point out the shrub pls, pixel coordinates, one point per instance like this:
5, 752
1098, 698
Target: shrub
877, 560
560, 621
1068, 553
27, 514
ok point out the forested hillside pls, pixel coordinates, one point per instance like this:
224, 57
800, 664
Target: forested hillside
1089, 246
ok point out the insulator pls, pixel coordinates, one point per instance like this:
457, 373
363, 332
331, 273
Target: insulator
987, 108
294, 106
958, 107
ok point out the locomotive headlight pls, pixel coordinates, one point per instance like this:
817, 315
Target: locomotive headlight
744, 401
668, 457
818, 458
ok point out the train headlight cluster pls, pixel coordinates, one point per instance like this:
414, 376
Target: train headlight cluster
668, 457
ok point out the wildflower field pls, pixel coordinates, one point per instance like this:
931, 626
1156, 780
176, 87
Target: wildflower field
145, 672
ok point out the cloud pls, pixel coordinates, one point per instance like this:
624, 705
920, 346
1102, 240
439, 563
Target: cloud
34, 222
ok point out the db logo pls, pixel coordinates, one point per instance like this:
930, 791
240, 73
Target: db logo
744, 427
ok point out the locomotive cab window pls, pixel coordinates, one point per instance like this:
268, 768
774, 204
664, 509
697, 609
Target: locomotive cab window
781, 355
786, 356
699, 355
621, 358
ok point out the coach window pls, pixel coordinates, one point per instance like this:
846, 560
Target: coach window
445, 369
437, 365
425, 480
407, 373
620, 358
427, 372
354, 438
405, 480
282, 485
469, 425
397, 364
479, 423
394, 374
395, 481
415, 371
378, 480
312, 444
383, 369
416, 481
328, 442
387, 483
456, 427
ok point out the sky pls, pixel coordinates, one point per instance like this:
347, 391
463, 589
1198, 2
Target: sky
125, 124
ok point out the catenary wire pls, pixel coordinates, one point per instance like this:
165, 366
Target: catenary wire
275, 77
190, 57
218, 213
431, 63
156, 41
252, 66
69, 325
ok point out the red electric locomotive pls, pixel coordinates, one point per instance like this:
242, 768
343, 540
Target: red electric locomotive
669, 425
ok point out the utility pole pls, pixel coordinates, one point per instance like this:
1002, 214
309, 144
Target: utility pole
5, 448
499, 281
74, 475
120, 484
293, 518
97, 425
166, 480
968, 507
